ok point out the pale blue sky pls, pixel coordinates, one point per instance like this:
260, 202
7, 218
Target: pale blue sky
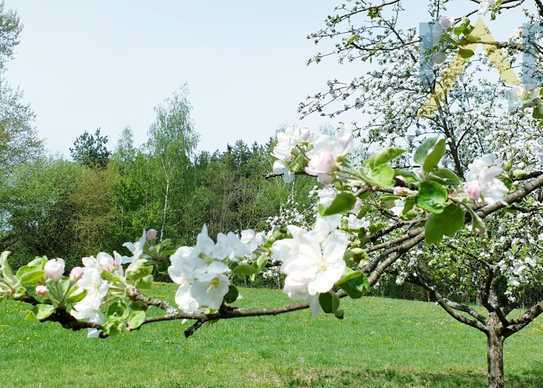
100, 63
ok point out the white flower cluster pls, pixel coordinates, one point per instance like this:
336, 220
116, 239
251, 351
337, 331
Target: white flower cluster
482, 181
89, 279
312, 260
287, 142
202, 271
323, 152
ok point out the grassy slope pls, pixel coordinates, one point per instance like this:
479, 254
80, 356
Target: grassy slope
382, 342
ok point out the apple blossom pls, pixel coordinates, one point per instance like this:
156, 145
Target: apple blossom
201, 276
42, 291
446, 22
482, 182
54, 269
323, 157
287, 141
252, 239
104, 262
76, 273
229, 246
88, 309
312, 261
136, 248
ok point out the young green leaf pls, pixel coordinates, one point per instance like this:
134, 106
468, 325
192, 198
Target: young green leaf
329, 302
341, 204
432, 197
434, 156
447, 223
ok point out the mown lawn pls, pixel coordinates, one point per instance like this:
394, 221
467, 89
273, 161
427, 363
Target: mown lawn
382, 342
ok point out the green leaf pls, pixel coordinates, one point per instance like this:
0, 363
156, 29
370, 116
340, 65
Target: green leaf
424, 149
449, 177
352, 39
384, 157
477, 223
59, 291
538, 112
340, 314
447, 223
32, 273
343, 202
43, 311
350, 275
432, 197
434, 156
262, 261
381, 175
466, 53
138, 274
329, 302
136, 319
232, 294
409, 204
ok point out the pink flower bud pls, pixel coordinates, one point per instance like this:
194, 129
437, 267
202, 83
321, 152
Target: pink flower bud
473, 190
76, 274
41, 291
400, 191
54, 269
151, 234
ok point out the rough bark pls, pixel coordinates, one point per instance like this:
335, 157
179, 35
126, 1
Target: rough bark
496, 377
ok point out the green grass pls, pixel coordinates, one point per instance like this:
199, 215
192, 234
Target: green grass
381, 342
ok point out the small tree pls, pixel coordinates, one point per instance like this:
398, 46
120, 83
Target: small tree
91, 150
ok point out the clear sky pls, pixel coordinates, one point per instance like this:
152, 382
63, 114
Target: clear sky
107, 64
89, 64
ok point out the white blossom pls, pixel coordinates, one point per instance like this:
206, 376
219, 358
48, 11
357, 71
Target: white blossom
54, 269
88, 309
311, 260
323, 157
446, 22
397, 209
252, 239
287, 141
200, 274
482, 182
136, 248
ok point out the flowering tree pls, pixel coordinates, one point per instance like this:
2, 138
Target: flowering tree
475, 115
338, 257
394, 197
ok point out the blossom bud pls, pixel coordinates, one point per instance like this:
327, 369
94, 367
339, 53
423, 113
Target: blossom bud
151, 234
401, 191
473, 190
76, 274
41, 291
54, 269
446, 22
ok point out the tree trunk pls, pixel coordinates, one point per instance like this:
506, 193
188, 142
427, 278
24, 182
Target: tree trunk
496, 378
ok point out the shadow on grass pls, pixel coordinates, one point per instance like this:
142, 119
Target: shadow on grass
394, 378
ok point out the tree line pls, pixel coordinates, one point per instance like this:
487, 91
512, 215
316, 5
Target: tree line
100, 198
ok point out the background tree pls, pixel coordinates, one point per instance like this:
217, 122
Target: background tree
91, 150
18, 140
